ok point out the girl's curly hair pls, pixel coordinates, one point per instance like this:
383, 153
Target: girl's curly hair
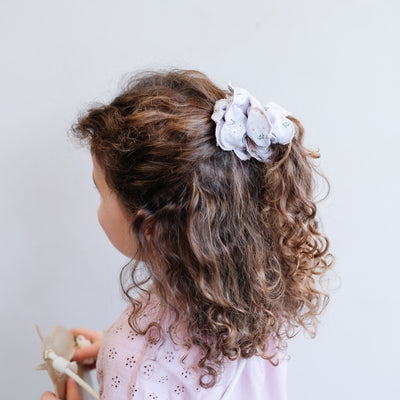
235, 247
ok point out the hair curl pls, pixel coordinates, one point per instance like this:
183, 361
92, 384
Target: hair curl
236, 244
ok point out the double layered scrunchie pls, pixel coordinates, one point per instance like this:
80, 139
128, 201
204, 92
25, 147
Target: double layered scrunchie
248, 128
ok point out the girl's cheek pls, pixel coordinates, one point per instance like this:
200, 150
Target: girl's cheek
100, 214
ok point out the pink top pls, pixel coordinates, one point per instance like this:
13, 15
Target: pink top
129, 366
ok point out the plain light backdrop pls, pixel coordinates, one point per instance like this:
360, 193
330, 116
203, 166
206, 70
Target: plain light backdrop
334, 64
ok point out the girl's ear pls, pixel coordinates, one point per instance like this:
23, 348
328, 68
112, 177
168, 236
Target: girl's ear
147, 230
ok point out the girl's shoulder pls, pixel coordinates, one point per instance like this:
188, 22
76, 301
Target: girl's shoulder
153, 363
131, 365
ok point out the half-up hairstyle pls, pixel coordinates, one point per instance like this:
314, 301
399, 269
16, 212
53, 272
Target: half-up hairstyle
234, 247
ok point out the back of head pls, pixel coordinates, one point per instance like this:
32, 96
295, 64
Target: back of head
234, 243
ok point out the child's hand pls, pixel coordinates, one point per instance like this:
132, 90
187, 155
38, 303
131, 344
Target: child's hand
90, 351
72, 392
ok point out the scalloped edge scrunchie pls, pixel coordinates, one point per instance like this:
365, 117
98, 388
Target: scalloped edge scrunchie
240, 117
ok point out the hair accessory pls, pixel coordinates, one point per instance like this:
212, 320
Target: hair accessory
248, 128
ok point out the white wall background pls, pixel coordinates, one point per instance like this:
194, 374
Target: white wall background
335, 64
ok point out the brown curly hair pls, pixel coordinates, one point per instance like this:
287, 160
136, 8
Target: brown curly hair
235, 246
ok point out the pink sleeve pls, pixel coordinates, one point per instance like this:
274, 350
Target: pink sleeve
129, 367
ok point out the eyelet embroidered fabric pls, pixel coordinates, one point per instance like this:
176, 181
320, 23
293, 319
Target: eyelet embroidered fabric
132, 366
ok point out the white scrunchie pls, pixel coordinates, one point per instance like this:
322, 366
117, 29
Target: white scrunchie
241, 117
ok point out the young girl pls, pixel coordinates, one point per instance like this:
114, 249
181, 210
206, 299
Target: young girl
213, 194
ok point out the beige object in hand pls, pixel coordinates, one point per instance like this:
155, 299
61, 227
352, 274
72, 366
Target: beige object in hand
61, 345
61, 341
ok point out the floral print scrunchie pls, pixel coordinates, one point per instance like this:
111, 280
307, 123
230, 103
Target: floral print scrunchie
248, 128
